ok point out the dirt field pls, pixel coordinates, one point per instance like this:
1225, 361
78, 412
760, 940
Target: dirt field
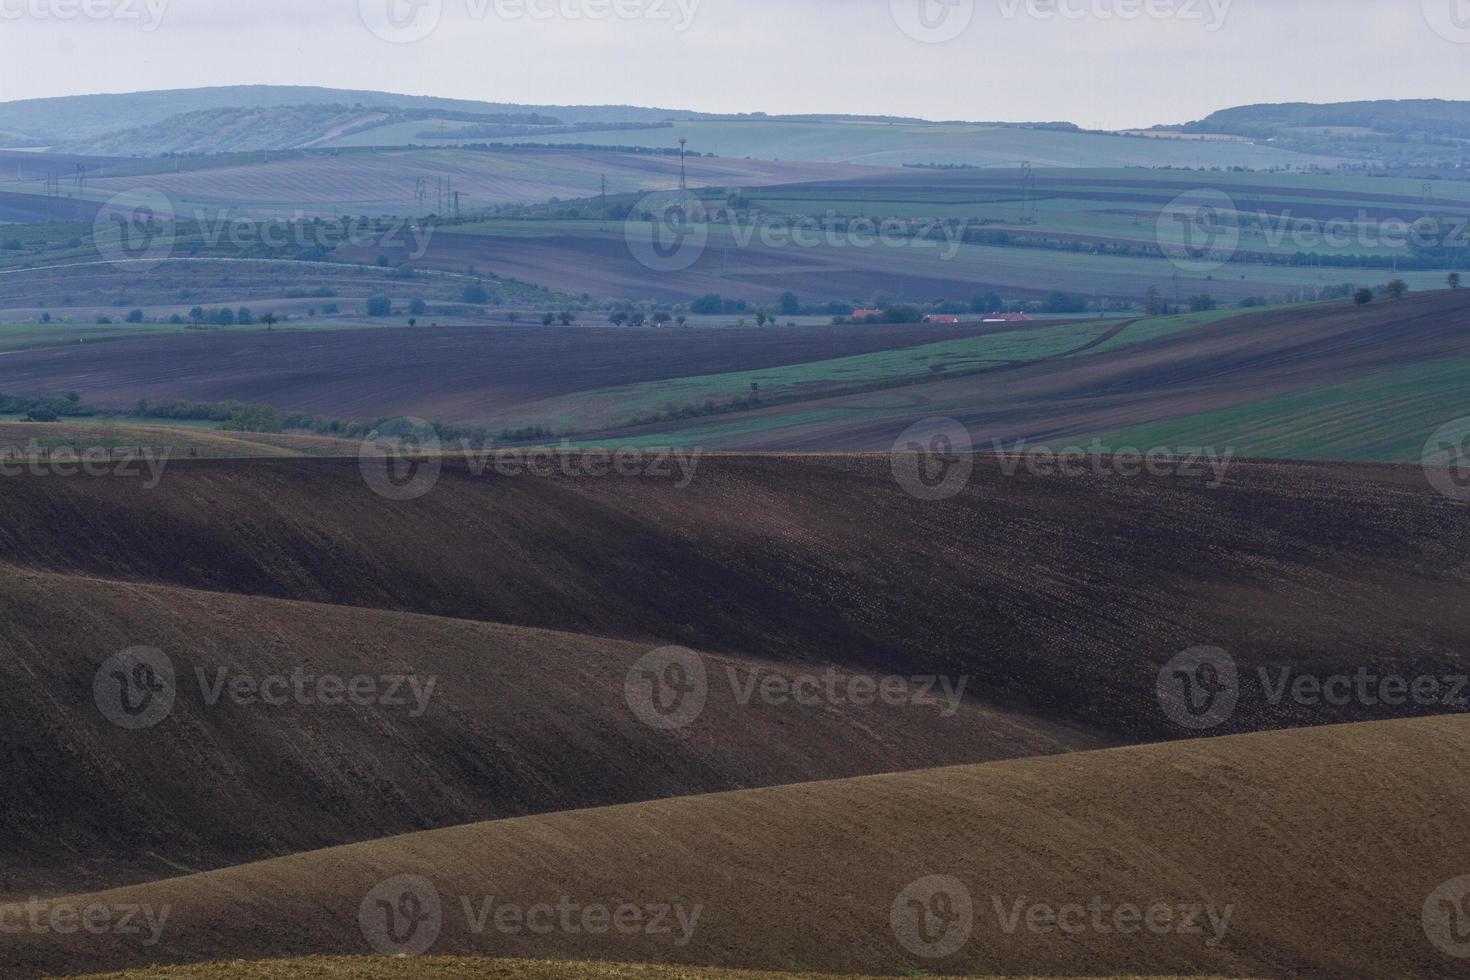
1059, 595
515, 721
1223, 835
445, 374
592, 381
1226, 364
451, 968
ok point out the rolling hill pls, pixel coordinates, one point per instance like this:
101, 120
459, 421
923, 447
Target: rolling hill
1059, 597
1327, 380
1223, 835
90, 116
489, 721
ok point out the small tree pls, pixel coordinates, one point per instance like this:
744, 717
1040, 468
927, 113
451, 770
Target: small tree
417, 306
379, 306
476, 294
638, 319
1454, 280
244, 316
547, 319
196, 316
1153, 301
1201, 303
269, 319
790, 304
618, 319
135, 316
1396, 288
567, 318
413, 321
760, 318
681, 319
660, 318
1363, 296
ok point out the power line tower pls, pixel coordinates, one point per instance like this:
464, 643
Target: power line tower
683, 177
421, 192
1028, 194
604, 202
81, 190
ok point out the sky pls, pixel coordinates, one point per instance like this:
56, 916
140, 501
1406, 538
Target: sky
1099, 63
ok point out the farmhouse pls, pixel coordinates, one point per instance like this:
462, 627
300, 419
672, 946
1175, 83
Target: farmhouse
941, 318
861, 315
1005, 318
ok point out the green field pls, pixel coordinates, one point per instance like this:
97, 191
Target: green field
895, 144
610, 407
1384, 416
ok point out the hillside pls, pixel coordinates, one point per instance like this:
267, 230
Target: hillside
495, 722
1404, 117
1325, 381
452, 968
819, 875
1328, 380
1058, 597
90, 116
1398, 134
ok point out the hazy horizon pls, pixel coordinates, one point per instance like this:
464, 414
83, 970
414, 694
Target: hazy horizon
963, 59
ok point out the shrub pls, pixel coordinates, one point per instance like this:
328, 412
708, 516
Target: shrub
379, 306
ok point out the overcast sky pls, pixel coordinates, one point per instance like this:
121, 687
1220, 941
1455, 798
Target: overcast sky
967, 59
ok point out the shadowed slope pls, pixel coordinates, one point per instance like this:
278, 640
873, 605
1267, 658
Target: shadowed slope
1311, 852
1061, 595
453, 721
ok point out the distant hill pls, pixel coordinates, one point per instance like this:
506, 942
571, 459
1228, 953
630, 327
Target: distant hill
239, 129
1411, 133
73, 120
1430, 117
80, 117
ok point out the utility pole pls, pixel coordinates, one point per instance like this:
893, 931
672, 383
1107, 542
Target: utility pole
1028, 193
683, 178
604, 202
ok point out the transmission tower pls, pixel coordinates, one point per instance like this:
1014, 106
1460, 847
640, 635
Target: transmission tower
604, 202
1028, 193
